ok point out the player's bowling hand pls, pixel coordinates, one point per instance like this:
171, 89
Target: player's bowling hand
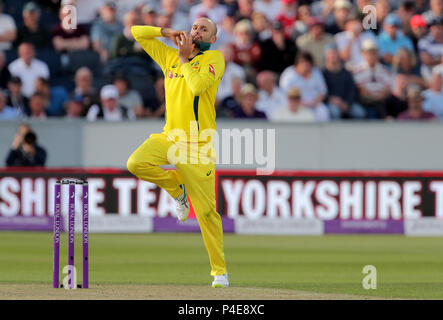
185, 46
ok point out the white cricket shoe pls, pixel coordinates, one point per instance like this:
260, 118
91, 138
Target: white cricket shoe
220, 281
182, 205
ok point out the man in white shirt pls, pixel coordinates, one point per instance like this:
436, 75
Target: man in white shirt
208, 8
293, 110
109, 109
270, 96
28, 68
8, 30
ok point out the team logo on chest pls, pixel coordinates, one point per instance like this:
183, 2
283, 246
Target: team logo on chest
170, 74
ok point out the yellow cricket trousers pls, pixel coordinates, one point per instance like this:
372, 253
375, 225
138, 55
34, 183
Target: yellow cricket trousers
199, 180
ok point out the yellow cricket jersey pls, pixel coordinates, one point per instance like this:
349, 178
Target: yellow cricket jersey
190, 88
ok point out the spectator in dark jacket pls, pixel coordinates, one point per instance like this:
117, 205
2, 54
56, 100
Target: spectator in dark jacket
32, 31
248, 100
25, 151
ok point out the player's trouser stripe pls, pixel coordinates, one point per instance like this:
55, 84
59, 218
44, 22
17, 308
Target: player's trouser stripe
196, 99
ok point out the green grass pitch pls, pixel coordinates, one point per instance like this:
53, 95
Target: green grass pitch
406, 267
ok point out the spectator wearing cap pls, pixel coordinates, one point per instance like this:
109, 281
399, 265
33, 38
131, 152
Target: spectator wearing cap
105, 29
75, 109
373, 81
271, 8
341, 87
15, 97
28, 68
349, 42
391, 39
415, 110
309, 80
148, 15
435, 11
66, 39
7, 112
418, 30
288, 16
431, 47
341, 11
109, 109
84, 87
232, 70
210, 9
179, 19
270, 96
37, 106
32, 31
248, 103
293, 109
127, 97
277, 52
247, 52
55, 97
8, 30
25, 151
315, 41
397, 101
433, 97
4, 72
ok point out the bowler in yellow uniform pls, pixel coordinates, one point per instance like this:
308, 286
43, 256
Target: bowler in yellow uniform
192, 75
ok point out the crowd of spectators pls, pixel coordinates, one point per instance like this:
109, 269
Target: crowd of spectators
286, 60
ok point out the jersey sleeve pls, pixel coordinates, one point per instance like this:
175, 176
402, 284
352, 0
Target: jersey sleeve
157, 50
210, 71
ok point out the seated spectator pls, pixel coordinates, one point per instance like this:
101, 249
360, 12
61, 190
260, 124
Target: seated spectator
293, 110
261, 27
245, 9
270, 96
83, 87
342, 8
418, 30
75, 108
247, 53
129, 98
391, 39
25, 151
225, 33
7, 112
179, 19
405, 12
271, 8
248, 100
435, 11
324, 10
301, 25
349, 41
208, 8
382, 9
4, 72
55, 97
415, 110
148, 15
431, 47
341, 87
109, 109
28, 68
397, 101
8, 30
315, 41
66, 39
405, 62
32, 31
278, 52
226, 108
373, 81
288, 16
124, 44
104, 30
16, 99
309, 80
232, 70
433, 97
37, 106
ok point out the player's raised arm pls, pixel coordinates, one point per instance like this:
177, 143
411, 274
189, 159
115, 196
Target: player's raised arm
157, 50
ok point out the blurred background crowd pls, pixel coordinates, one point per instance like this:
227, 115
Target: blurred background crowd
286, 60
